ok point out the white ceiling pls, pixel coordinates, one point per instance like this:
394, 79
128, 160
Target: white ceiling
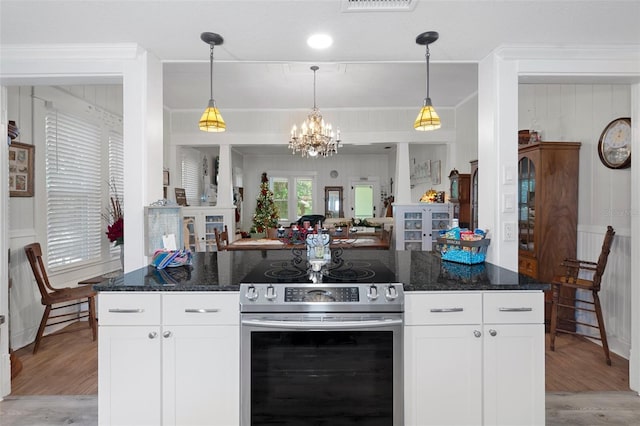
264, 61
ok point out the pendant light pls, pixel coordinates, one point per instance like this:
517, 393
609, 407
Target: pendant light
211, 120
428, 118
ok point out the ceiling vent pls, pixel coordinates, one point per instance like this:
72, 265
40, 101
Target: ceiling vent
378, 5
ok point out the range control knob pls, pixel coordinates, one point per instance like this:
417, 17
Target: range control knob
391, 293
271, 293
252, 293
372, 294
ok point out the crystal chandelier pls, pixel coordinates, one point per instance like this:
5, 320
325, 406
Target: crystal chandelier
315, 137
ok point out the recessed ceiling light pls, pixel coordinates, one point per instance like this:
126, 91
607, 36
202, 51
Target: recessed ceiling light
319, 41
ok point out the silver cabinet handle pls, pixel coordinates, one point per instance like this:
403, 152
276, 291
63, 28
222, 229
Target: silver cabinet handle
126, 311
440, 310
515, 309
201, 310
153, 335
166, 334
477, 333
493, 332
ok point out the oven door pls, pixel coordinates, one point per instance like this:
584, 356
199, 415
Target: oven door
321, 369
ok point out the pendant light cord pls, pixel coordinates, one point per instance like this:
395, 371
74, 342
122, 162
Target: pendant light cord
211, 71
427, 58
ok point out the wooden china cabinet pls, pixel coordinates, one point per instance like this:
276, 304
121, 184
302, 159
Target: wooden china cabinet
547, 211
459, 197
474, 195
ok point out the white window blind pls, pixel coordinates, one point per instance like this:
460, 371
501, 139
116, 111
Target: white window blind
73, 184
191, 165
116, 163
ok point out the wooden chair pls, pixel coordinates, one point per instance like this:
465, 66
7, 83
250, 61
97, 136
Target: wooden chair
60, 297
580, 274
386, 235
222, 238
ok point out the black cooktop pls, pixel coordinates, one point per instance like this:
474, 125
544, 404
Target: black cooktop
337, 271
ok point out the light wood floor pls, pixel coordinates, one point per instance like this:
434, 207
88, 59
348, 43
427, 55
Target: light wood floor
68, 365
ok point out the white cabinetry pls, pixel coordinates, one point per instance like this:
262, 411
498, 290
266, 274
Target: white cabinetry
200, 223
418, 225
474, 358
168, 359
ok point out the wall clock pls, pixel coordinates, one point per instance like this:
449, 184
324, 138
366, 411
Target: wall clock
614, 146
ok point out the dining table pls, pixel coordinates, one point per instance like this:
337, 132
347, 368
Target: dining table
374, 242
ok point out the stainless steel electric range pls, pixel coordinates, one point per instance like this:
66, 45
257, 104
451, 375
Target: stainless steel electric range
321, 345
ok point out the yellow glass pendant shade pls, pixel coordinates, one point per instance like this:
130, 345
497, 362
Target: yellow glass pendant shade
428, 118
211, 120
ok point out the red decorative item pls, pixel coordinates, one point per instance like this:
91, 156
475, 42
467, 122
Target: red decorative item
115, 231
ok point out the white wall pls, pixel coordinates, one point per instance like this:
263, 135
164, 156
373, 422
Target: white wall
421, 153
465, 149
565, 112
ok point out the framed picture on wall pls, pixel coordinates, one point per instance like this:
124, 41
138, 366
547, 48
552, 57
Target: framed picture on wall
181, 197
21, 169
165, 178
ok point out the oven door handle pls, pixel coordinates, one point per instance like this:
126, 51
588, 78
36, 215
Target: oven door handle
322, 325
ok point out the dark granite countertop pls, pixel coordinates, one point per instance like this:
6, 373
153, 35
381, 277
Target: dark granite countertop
418, 271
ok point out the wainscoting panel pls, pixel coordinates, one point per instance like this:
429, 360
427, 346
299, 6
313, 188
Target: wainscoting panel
615, 293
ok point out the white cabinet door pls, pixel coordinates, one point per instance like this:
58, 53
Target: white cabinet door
514, 374
443, 375
201, 375
129, 372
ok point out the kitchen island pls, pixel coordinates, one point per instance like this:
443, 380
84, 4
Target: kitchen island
416, 270
169, 340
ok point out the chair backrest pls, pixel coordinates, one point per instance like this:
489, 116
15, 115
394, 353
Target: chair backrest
604, 256
586, 271
34, 254
311, 218
222, 238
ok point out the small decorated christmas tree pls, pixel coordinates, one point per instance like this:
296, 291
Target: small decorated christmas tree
266, 213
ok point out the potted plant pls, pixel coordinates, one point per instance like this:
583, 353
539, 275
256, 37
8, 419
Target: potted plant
266, 214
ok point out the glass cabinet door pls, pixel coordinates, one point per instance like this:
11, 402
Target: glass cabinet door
526, 204
413, 230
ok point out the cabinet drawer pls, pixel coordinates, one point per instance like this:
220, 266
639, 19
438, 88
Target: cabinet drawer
128, 309
451, 308
514, 308
214, 308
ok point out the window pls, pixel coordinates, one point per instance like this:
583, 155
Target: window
74, 189
281, 197
304, 196
191, 165
292, 203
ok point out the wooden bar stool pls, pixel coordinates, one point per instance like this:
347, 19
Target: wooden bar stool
576, 276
